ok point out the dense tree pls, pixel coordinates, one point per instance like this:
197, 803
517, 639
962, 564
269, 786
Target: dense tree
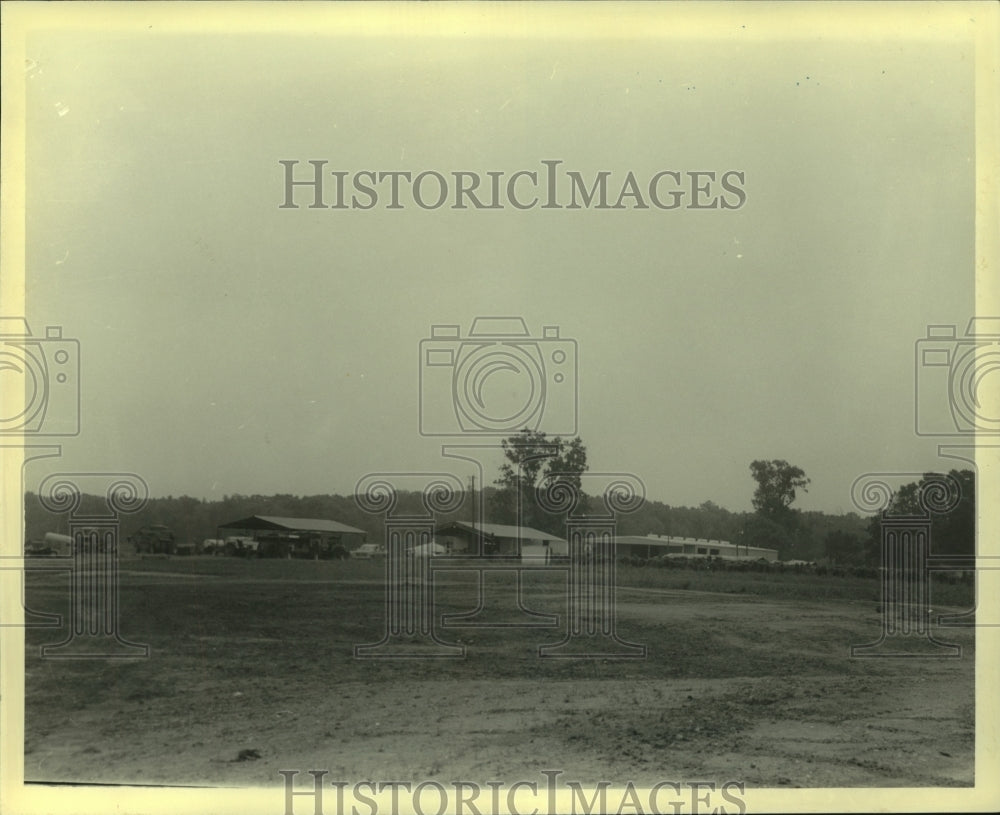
845, 548
815, 527
953, 532
759, 530
777, 481
530, 456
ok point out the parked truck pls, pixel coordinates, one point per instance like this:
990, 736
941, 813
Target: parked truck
154, 539
54, 545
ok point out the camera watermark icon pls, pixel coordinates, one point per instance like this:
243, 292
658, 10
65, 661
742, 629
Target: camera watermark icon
497, 380
95, 615
48, 370
958, 380
500, 380
906, 563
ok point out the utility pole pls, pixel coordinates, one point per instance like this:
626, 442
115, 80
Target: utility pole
477, 533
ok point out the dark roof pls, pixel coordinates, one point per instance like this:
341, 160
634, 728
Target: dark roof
291, 524
503, 531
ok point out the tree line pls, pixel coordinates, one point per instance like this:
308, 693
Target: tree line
847, 539
193, 519
795, 534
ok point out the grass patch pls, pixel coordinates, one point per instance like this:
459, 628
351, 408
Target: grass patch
780, 586
257, 568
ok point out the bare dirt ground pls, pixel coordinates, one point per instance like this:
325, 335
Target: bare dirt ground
253, 672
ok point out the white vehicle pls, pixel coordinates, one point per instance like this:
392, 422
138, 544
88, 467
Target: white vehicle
366, 551
60, 545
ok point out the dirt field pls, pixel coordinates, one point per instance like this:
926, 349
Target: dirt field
252, 671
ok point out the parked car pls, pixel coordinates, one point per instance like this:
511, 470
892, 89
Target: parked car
366, 551
38, 549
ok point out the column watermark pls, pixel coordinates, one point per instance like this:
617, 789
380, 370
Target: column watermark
905, 567
95, 611
410, 630
591, 532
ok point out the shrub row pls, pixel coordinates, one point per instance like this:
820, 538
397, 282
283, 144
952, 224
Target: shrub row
763, 566
718, 564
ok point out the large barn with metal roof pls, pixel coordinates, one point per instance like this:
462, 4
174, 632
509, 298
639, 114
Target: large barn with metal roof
278, 536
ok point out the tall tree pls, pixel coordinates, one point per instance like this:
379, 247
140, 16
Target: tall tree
777, 481
530, 456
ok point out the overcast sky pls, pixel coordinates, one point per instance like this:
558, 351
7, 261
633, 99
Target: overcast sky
231, 346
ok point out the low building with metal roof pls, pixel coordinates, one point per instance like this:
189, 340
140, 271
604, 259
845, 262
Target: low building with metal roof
280, 536
506, 540
652, 545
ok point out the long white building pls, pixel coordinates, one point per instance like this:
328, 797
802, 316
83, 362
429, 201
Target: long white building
652, 545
